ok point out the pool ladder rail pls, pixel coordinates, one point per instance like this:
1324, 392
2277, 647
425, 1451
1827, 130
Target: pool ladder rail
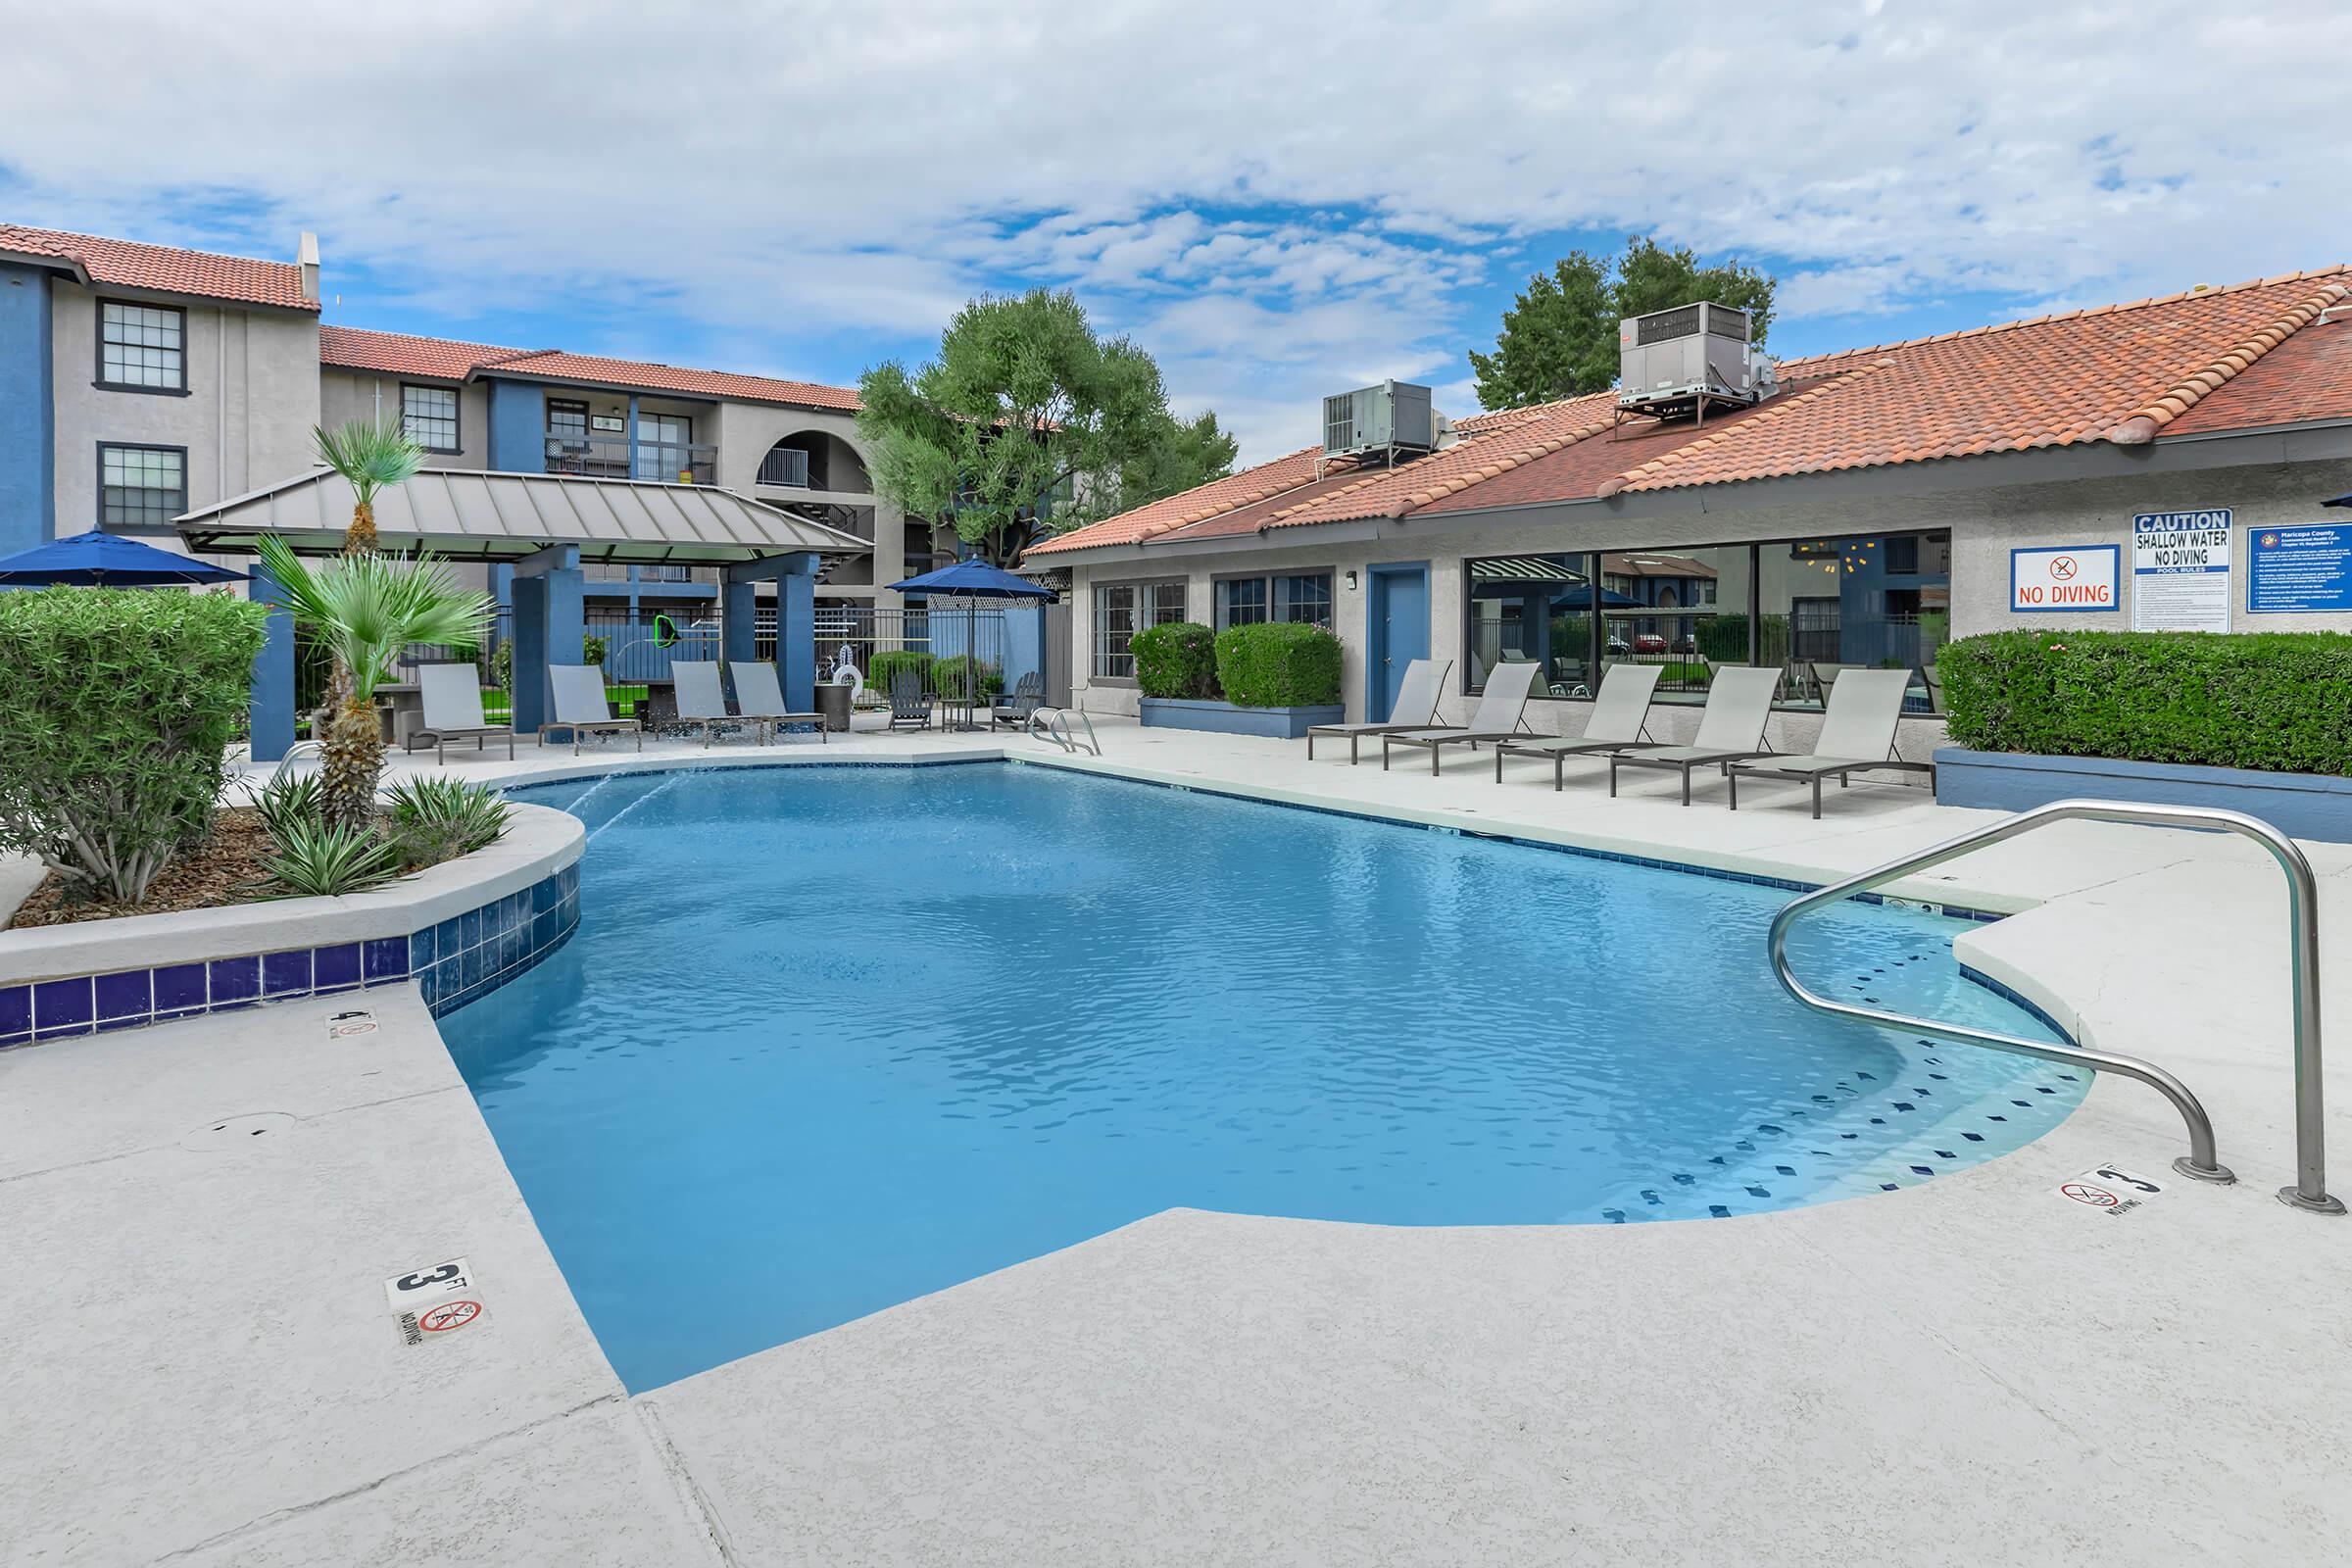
1057, 722
2310, 1191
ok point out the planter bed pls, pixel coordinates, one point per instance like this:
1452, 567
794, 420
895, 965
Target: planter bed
1228, 719
2303, 805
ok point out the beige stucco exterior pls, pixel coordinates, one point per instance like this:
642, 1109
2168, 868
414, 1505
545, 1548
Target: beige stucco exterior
348, 395
244, 419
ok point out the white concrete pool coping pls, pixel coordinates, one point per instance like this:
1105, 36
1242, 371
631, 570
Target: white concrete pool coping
198, 1364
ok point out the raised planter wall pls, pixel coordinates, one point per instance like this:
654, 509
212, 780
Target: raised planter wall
2303, 805
1226, 718
460, 930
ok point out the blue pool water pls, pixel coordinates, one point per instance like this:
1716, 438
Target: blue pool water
830, 1039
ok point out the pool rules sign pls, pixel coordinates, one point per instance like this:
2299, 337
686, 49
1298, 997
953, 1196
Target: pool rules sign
2180, 571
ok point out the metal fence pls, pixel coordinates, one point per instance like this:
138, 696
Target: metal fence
877, 643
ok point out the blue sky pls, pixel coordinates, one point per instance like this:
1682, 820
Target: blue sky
803, 190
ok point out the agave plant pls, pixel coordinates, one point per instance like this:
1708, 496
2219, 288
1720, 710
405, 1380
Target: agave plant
374, 458
436, 818
366, 608
321, 859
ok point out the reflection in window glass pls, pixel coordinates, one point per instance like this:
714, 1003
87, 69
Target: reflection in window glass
1532, 607
1864, 602
1240, 602
1303, 599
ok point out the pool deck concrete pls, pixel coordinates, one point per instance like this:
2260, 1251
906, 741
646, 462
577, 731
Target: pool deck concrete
198, 1364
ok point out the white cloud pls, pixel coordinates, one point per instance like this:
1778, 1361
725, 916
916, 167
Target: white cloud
1275, 211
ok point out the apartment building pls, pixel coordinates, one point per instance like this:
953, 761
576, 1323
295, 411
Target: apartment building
141, 381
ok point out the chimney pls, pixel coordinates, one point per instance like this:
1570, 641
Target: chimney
307, 257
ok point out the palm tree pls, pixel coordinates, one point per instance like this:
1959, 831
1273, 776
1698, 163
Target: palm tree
366, 608
374, 458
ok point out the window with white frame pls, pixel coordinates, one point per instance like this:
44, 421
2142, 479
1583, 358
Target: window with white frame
1298, 597
141, 487
1123, 608
142, 345
429, 415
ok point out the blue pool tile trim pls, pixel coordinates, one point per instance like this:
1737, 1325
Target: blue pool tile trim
459, 960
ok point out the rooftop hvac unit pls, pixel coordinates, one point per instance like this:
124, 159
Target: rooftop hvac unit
1395, 416
1678, 361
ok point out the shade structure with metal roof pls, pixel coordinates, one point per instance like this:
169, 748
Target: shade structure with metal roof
473, 514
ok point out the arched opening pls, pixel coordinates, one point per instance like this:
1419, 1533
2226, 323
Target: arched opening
814, 459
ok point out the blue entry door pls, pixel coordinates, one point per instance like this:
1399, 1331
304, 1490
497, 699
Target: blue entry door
1398, 627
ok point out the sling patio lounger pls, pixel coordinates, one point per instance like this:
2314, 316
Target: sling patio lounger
1857, 735
1501, 714
1620, 717
580, 705
453, 709
760, 695
703, 701
1731, 728
1417, 694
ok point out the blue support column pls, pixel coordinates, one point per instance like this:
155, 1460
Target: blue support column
517, 428
738, 625
550, 619
271, 707
796, 635
27, 413
636, 471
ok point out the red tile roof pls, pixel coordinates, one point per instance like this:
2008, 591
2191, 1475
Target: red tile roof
353, 348
164, 269
646, 376
2198, 361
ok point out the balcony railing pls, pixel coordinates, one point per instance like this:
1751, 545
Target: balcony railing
785, 466
607, 456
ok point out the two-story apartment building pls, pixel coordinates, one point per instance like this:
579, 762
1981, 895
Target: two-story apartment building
139, 381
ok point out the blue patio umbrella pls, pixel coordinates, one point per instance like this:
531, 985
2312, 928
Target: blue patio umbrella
106, 561
974, 580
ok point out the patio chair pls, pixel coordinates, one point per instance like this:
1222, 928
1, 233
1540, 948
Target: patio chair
1933, 679
452, 710
703, 701
1416, 695
578, 691
1857, 735
1731, 728
1012, 711
1501, 714
910, 704
1825, 677
1620, 717
760, 695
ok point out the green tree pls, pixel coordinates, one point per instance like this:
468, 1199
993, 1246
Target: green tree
1559, 337
1027, 423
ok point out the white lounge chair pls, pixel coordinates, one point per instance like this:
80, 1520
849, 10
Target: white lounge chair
759, 695
1620, 717
1501, 714
580, 705
1857, 735
703, 701
1729, 728
453, 709
1417, 695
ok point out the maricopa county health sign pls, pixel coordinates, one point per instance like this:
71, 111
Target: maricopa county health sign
2080, 578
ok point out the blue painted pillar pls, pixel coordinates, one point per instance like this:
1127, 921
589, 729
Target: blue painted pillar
269, 708
796, 634
27, 413
636, 464
517, 428
738, 625
550, 619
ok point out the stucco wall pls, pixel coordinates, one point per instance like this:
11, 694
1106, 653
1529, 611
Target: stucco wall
252, 396
348, 395
746, 432
1985, 524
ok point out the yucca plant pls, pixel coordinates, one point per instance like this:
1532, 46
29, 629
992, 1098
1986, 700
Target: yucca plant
374, 458
366, 608
322, 859
291, 801
436, 818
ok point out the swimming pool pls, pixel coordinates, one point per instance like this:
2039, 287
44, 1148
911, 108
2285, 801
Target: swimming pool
831, 1038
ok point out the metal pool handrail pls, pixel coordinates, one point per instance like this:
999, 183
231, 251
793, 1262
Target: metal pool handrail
2310, 1191
1058, 728
298, 748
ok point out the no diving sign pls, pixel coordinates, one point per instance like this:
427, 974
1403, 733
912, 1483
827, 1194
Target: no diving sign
432, 1303
2110, 1189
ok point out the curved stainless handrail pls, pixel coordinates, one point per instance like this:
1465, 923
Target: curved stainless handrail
2310, 1191
1058, 728
294, 751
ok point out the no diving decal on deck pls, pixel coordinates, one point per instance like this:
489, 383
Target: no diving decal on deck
2109, 1189
432, 1303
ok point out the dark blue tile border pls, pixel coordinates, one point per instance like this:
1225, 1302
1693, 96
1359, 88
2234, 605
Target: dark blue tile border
508, 935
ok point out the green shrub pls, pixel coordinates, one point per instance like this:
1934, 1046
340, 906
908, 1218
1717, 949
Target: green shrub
120, 707
2273, 700
315, 860
950, 671
1176, 659
435, 819
1724, 638
888, 663
1278, 664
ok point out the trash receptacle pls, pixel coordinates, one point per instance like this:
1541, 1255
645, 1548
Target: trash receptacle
834, 702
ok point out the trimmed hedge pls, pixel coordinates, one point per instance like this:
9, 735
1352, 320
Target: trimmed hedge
950, 671
2275, 702
1278, 664
120, 709
889, 660
1176, 659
